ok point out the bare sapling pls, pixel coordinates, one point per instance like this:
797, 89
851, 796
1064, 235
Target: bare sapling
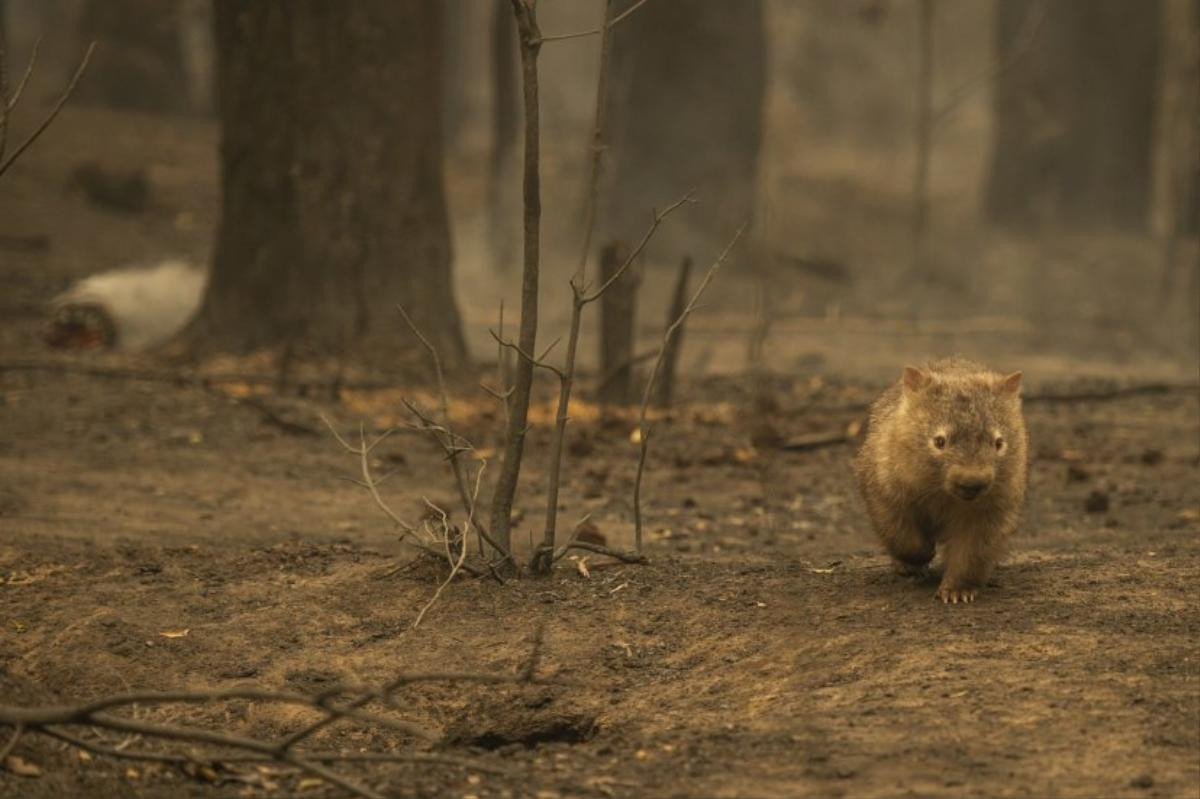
500, 522
543, 556
643, 431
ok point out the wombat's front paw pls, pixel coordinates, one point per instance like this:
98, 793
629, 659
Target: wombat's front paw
950, 595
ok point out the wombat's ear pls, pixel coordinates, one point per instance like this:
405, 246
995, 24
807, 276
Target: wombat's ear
915, 379
1009, 385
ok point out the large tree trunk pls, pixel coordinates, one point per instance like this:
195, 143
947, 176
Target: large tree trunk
331, 168
1075, 113
687, 88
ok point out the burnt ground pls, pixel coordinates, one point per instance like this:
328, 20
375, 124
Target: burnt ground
765, 650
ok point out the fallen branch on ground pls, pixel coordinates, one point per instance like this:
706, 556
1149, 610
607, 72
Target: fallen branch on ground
96, 715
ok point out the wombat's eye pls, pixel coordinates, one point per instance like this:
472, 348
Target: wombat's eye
939, 442
999, 442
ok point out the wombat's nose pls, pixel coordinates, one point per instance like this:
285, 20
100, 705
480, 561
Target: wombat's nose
969, 489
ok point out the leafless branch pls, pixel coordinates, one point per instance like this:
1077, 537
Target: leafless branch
543, 556
104, 750
16, 95
643, 430
40, 129
363, 451
600, 549
525, 357
608, 26
437, 364
658, 218
597, 144
462, 549
1035, 18
92, 714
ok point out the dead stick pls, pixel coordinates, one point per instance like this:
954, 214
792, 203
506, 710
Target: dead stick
666, 388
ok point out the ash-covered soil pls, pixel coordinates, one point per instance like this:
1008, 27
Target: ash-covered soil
765, 650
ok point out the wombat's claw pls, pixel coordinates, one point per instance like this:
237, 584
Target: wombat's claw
956, 595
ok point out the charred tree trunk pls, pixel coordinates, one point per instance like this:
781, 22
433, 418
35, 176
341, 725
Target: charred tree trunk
686, 112
503, 215
618, 311
1075, 114
331, 170
664, 390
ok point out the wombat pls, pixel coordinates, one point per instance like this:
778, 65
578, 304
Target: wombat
944, 462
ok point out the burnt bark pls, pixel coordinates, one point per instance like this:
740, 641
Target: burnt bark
1075, 114
664, 391
331, 169
685, 112
618, 310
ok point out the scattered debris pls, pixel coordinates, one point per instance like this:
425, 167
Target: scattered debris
1096, 502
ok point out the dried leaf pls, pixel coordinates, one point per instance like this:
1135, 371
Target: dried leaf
175, 633
744, 454
310, 784
581, 565
21, 767
636, 435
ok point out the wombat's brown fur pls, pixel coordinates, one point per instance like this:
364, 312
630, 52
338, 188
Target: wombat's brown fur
944, 462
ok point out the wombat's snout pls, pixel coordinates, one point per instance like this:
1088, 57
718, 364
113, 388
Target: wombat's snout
971, 487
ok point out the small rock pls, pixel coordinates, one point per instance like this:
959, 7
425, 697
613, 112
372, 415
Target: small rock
1144, 781
1096, 502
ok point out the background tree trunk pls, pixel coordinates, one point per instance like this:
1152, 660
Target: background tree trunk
687, 84
331, 168
1075, 114
504, 217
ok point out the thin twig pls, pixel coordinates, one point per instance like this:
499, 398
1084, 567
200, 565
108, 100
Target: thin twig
600, 549
558, 37
16, 95
317, 756
1035, 18
40, 129
462, 549
10, 744
526, 358
543, 556
643, 431
597, 144
363, 452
